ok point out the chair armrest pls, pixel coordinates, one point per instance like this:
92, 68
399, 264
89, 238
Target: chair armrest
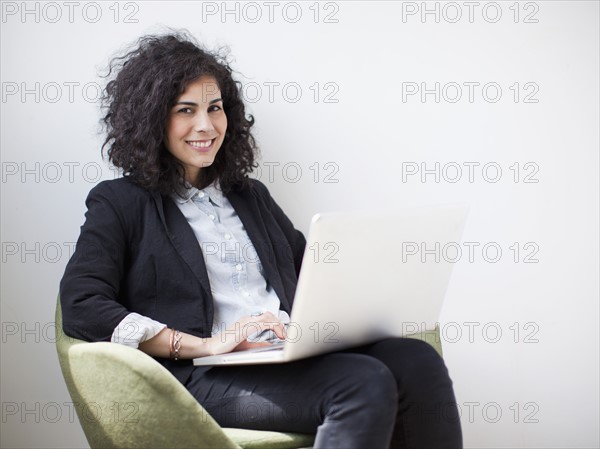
128, 400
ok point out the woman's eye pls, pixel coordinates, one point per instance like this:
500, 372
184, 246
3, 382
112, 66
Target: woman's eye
185, 110
215, 107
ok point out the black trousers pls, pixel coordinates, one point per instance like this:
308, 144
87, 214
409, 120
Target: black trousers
394, 393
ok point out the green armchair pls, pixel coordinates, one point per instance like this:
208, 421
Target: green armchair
125, 399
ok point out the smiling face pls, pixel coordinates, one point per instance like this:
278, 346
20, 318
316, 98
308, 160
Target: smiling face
196, 126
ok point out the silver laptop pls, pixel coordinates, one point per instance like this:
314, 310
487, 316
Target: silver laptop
365, 276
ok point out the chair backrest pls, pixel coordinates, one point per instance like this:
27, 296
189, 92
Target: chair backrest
432, 337
124, 398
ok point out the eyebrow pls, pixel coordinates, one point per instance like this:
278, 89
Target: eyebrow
191, 103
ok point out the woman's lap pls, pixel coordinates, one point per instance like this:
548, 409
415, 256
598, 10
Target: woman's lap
362, 396
287, 397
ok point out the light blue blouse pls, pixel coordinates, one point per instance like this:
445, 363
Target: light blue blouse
237, 281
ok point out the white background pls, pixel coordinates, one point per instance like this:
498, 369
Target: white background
520, 339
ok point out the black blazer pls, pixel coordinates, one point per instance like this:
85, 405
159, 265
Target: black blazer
137, 253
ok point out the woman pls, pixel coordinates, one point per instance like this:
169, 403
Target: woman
186, 256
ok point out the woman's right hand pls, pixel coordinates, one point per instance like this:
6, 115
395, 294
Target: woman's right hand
235, 336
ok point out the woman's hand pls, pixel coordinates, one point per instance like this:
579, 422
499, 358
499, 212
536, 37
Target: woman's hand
234, 337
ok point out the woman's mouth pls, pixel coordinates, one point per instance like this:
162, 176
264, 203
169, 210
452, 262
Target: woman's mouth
201, 145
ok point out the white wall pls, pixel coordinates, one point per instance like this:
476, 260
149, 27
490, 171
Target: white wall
541, 373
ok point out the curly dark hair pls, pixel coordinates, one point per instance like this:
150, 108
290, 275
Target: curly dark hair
137, 101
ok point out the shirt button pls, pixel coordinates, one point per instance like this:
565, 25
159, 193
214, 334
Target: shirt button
238, 267
212, 217
227, 236
200, 194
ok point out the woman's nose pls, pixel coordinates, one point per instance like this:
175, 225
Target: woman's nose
203, 123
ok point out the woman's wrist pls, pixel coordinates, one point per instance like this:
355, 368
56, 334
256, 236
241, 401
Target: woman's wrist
171, 343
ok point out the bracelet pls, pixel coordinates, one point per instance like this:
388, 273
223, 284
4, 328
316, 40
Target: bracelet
174, 344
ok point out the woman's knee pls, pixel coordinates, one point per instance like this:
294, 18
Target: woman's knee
366, 379
410, 360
